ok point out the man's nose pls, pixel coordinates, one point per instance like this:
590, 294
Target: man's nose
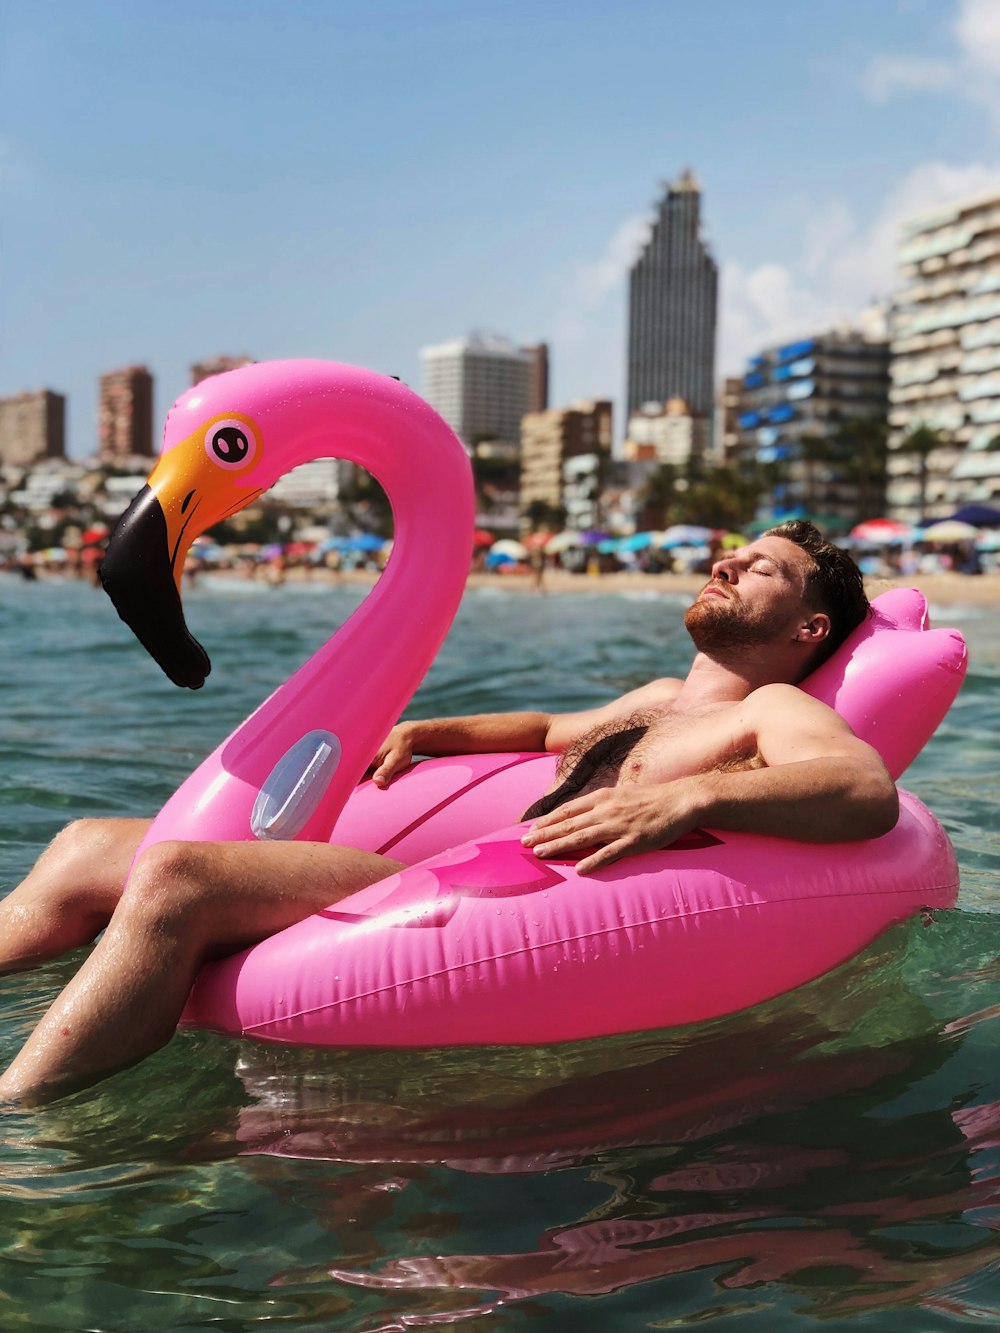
724, 571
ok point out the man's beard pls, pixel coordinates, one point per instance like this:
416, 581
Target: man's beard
720, 627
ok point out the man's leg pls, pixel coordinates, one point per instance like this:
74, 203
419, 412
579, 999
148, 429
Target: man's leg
69, 896
186, 903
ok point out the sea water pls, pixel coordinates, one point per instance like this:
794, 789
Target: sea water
831, 1158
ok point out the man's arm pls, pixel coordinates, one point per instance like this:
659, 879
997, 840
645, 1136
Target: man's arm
819, 784
490, 733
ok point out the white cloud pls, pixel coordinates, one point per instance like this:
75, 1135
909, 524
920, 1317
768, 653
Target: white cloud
972, 72
845, 263
589, 321
977, 29
887, 75
843, 266
591, 283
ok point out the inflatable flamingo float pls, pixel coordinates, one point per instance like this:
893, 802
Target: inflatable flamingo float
478, 941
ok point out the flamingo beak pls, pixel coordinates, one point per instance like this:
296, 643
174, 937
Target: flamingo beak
138, 576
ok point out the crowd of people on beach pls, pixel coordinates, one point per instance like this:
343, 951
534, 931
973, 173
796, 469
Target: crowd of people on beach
275, 562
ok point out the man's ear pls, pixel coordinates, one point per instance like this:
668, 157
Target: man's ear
815, 629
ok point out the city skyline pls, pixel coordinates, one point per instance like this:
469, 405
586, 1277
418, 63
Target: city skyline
422, 173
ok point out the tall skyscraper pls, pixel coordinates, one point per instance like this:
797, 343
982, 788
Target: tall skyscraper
483, 386
32, 427
125, 415
673, 293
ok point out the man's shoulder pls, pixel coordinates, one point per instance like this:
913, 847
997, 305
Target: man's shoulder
662, 690
780, 701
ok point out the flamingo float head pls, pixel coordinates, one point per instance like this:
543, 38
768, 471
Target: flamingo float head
213, 472
228, 439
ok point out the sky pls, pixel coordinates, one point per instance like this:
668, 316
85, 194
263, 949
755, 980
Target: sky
357, 179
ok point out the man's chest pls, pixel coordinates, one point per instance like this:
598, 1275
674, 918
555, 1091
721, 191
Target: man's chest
677, 744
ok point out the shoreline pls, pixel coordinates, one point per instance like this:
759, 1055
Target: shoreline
943, 589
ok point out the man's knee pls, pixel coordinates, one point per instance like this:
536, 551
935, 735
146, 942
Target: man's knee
82, 839
170, 882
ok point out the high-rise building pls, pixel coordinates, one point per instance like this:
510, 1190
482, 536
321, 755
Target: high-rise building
538, 381
483, 386
125, 415
945, 341
564, 454
729, 401
796, 400
669, 434
673, 295
32, 427
217, 365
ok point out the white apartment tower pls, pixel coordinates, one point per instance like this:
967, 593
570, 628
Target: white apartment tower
945, 367
482, 386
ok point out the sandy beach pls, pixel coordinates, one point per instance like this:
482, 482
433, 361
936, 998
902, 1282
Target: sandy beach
939, 589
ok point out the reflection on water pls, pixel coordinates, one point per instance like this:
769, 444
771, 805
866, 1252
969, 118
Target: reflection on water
812, 1145
832, 1155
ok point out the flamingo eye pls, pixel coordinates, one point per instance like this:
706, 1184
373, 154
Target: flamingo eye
230, 443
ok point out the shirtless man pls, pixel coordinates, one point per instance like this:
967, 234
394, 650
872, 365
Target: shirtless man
732, 746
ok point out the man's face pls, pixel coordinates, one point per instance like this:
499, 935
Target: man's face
756, 595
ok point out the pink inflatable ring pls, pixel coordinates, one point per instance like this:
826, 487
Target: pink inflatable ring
478, 941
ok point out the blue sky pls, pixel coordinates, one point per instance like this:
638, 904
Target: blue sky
356, 180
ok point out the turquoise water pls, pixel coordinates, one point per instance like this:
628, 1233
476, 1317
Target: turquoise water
831, 1156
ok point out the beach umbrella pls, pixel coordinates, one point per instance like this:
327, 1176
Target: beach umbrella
685, 534
880, 530
365, 541
494, 559
203, 548
509, 549
949, 530
980, 516
482, 538
537, 541
638, 541
732, 541
988, 541
594, 537
563, 541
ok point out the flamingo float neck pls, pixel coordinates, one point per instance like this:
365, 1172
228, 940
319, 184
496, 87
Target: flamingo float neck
225, 442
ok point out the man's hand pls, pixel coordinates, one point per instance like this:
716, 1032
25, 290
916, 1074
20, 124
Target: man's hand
394, 755
616, 821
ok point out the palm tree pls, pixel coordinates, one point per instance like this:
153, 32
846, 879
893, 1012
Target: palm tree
813, 449
863, 445
719, 497
540, 515
657, 495
921, 442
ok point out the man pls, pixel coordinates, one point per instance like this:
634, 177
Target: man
734, 746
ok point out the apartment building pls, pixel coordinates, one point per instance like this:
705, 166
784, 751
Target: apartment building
945, 343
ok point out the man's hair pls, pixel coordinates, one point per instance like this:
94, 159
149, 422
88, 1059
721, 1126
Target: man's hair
834, 580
